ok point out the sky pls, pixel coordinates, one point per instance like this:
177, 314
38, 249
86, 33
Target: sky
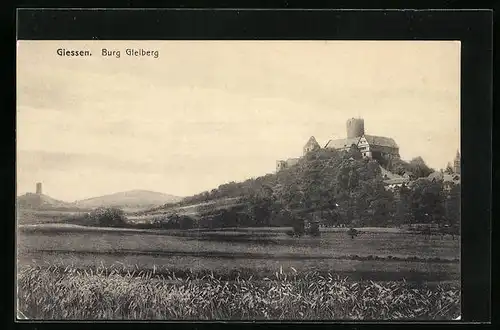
206, 113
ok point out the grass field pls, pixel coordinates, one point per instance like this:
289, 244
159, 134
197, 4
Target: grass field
107, 293
128, 273
26, 217
330, 244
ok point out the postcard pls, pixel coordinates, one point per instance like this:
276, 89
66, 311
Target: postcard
238, 180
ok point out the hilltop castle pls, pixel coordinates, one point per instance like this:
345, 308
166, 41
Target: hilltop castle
370, 146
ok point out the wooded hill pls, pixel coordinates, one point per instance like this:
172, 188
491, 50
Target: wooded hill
338, 187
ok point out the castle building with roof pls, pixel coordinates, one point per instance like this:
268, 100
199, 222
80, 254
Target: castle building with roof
370, 146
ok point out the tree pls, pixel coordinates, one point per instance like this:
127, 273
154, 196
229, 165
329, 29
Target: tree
452, 205
352, 232
207, 214
108, 217
427, 201
448, 169
397, 166
381, 211
279, 218
186, 222
298, 224
419, 168
402, 200
260, 207
354, 152
370, 171
318, 183
314, 229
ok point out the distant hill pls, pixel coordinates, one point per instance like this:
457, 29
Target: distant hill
35, 201
129, 199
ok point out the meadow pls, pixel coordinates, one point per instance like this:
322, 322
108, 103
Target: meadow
110, 293
235, 274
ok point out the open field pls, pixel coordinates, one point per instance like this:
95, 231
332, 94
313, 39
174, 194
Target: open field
69, 271
87, 239
30, 217
372, 255
191, 209
48, 216
62, 226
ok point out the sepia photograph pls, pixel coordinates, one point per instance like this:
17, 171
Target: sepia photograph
238, 180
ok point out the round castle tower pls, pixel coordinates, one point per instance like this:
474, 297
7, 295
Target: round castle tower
355, 128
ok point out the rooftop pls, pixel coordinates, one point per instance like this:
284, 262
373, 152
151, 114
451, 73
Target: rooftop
400, 180
371, 139
342, 143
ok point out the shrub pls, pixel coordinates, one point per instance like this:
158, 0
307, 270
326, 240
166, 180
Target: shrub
172, 221
352, 232
186, 222
314, 229
107, 217
298, 226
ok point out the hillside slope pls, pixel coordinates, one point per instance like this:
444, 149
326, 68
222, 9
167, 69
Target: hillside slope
339, 188
129, 199
35, 201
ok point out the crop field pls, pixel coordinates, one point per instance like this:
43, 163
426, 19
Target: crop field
235, 274
268, 243
108, 293
44, 216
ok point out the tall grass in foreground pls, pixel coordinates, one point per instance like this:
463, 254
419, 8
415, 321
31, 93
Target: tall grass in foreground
108, 293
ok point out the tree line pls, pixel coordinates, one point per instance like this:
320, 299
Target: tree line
339, 188
333, 187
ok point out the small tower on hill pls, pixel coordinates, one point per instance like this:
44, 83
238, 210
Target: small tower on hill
456, 163
38, 188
